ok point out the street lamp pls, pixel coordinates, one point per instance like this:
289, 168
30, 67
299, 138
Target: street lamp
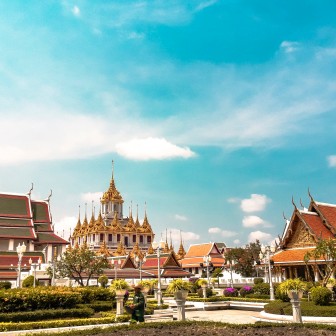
266, 252
34, 266
230, 263
20, 250
139, 264
207, 263
115, 263
158, 247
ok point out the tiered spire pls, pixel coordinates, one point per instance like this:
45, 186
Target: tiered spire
181, 252
120, 250
78, 225
166, 247
104, 250
112, 194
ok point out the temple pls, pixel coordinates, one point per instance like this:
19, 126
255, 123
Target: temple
111, 233
301, 233
26, 222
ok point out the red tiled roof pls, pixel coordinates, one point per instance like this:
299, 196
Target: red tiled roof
329, 212
6, 259
199, 250
175, 273
291, 256
153, 262
317, 226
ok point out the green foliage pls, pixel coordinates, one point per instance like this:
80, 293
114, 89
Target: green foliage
29, 281
201, 281
321, 296
5, 285
103, 280
258, 281
280, 295
40, 315
292, 284
245, 290
262, 288
208, 292
80, 264
90, 294
119, 284
99, 306
178, 284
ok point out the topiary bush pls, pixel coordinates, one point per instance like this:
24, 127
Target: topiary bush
230, 292
29, 281
245, 290
208, 292
262, 289
5, 285
257, 281
321, 296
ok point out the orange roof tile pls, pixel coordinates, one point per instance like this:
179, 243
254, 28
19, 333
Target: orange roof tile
199, 250
329, 212
195, 262
317, 226
290, 256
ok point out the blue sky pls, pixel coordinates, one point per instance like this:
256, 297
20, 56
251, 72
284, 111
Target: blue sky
216, 113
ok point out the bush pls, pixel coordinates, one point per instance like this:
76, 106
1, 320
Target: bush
257, 281
262, 289
103, 280
230, 292
321, 296
280, 295
245, 290
5, 285
29, 281
208, 292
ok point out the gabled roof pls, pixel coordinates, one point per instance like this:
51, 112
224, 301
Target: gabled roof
18, 233
9, 258
196, 261
201, 250
167, 260
41, 213
328, 211
15, 206
50, 237
316, 225
290, 256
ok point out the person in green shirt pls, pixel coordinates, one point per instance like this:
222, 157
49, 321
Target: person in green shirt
138, 305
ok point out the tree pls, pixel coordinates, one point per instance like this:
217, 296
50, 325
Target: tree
79, 264
244, 258
324, 252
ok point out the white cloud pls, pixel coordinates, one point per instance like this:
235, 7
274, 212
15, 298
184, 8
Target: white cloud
188, 237
136, 36
289, 46
236, 241
64, 226
331, 161
152, 148
92, 196
181, 218
262, 236
255, 203
214, 230
205, 4
252, 221
233, 200
227, 233
76, 11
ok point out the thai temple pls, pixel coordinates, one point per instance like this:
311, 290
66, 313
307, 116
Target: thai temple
111, 232
26, 226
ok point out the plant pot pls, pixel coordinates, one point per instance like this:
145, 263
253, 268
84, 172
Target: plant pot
145, 290
120, 292
295, 294
181, 294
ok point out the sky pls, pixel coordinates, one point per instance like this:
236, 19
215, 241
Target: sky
216, 113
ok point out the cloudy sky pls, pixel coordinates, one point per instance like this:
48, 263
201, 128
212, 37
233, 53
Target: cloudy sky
215, 113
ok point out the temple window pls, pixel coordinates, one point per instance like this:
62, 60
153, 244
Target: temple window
93, 237
149, 239
141, 239
118, 237
134, 238
102, 237
110, 237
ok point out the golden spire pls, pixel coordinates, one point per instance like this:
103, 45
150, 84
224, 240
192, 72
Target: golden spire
120, 251
115, 222
85, 223
78, 225
166, 247
171, 247
130, 223
112, 194
150, 249
181, 252
145, 225
137, 223
92, 220
104, 250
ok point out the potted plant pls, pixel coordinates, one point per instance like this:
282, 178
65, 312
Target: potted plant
331, 283
179, 288
120, 286
146, 285
202, 282
294, 288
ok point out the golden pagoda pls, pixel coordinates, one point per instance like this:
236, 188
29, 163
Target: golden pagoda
111, 230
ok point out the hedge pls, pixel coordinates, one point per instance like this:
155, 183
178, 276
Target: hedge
98, 306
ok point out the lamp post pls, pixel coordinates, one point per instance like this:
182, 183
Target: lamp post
230, 263
139, 264
20, 250
115, 264
207, 263
34, 266
158, 247
266, 252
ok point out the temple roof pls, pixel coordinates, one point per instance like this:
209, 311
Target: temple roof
291, 255
112, 194
16, 206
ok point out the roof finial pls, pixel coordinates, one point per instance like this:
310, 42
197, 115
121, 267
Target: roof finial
92, 207
294, 203
31, 189
309, 194
85, 210
48, 199
166, 237
112, 169
78, 212
131, 211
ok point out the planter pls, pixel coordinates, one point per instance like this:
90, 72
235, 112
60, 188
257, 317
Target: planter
145, 290
295, 294
120, 292
181, 294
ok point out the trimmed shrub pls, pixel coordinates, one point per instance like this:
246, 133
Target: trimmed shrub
262, 289
321, 296
280, 295
103, 280
257, 281
5, 285
208, 292
29, 281
230, 292
245, 290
